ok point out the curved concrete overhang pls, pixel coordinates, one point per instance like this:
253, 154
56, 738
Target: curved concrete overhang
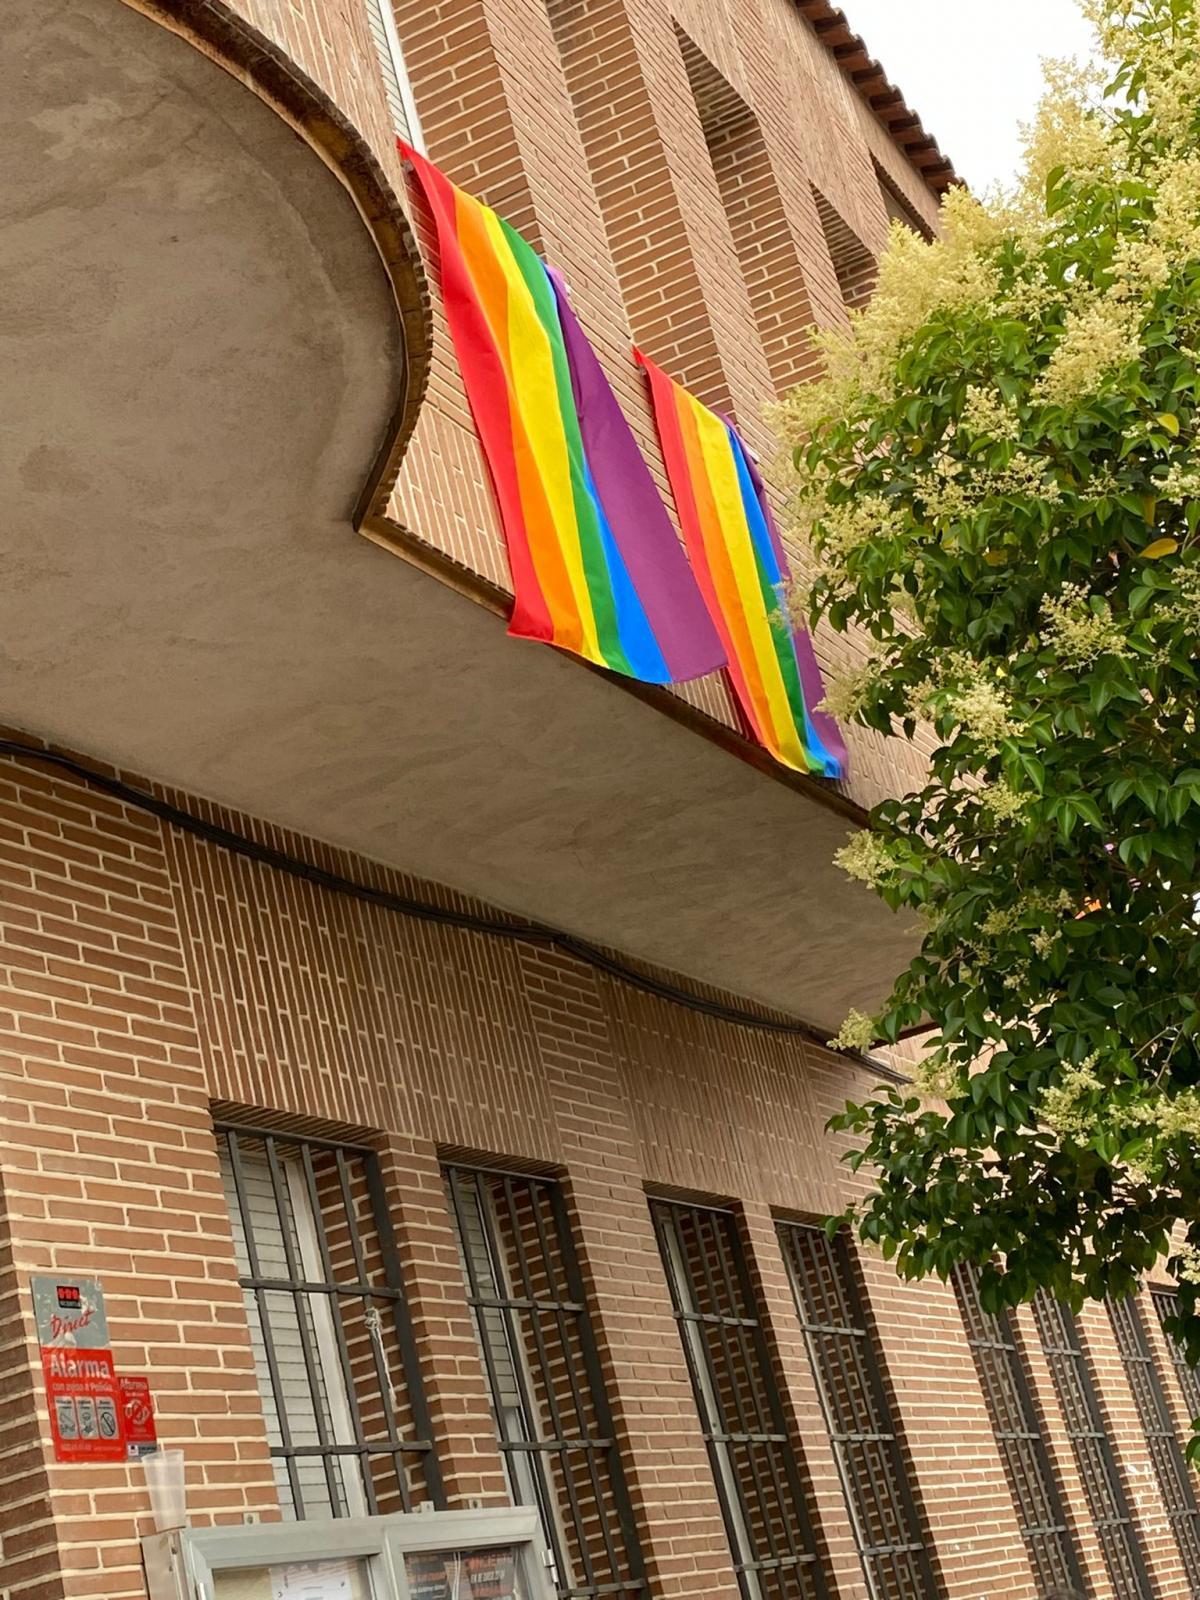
205, 366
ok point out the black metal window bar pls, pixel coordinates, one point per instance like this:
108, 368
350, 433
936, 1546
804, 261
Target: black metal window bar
1087, 1430
1035, 1492
854, 1399
548, 1394
346, 1418
1166, 1304
758, 1477
1166, 1454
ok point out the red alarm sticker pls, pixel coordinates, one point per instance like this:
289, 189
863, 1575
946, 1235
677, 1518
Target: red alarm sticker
84, 1397
137, 1417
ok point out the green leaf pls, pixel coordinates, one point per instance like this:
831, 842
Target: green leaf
1087, 808
1119, 790
1169, 421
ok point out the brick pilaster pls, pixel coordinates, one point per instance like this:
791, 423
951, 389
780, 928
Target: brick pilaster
670, 1482
802, 1403
452, 1375
110, 1164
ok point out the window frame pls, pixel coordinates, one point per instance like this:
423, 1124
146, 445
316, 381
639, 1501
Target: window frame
541, 1427
412, 122
1052, 1543
1117, 1531
865, 1358
230, 1135
1165, 1299
200, 1555
804, 1555
1171, 1470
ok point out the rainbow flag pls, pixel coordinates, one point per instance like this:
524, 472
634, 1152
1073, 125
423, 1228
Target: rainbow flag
596, 565
742, 568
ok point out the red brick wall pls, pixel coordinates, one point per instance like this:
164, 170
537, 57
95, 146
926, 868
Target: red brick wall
579, 120
108, 1159
579, 123
145, 975
332, 45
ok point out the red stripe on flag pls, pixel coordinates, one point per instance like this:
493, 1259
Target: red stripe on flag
665, 395
486, 382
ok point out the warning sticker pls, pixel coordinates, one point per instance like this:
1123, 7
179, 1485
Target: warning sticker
85, 1405
137, 1417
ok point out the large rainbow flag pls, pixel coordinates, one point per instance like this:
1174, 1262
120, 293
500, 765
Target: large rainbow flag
742, 568
596, 565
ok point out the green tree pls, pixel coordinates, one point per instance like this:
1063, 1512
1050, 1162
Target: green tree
999, 476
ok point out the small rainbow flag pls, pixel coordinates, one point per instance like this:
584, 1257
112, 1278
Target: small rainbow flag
596, 565
742, 568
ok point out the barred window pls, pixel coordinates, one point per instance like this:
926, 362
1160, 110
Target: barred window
758, 1477
1019, 1434
1166, 1304
345, 1414
846, 1366
1094, 1455
1166, 1454
548, 1393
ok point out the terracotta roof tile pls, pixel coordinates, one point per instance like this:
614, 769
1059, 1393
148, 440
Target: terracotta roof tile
871, 83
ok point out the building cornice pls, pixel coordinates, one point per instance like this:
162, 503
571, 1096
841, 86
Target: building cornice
873, 86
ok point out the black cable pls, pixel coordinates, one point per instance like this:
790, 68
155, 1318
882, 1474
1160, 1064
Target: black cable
405, 905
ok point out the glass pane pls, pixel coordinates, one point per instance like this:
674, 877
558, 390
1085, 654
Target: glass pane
309, 1580
463, 1574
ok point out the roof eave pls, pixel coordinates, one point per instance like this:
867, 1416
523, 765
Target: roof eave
869, 81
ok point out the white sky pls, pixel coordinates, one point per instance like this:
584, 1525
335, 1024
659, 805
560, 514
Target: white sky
971, 69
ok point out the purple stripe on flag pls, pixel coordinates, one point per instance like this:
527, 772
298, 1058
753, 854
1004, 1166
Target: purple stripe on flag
641, 528
824, 726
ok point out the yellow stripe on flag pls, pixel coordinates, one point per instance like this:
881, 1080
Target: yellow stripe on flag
727, 497
536, 397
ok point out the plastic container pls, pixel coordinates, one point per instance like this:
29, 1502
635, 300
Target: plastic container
168, 1492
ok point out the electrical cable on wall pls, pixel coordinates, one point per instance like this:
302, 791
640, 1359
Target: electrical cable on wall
535, 933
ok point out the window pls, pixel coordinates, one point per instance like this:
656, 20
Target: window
758, 224
757, 1474
547, 1388
898, 208
854, 264
345, 1414
493, 1551
381, 20
1170, 1467
1019, 1434
1102, 1485
1166, 1305
887, 1527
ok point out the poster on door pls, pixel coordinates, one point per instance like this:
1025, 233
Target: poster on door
461, 1574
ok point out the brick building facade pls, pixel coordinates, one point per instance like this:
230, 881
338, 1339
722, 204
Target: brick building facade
503, 1190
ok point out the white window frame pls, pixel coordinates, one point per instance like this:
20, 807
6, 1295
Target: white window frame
387, 17
184, 1565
